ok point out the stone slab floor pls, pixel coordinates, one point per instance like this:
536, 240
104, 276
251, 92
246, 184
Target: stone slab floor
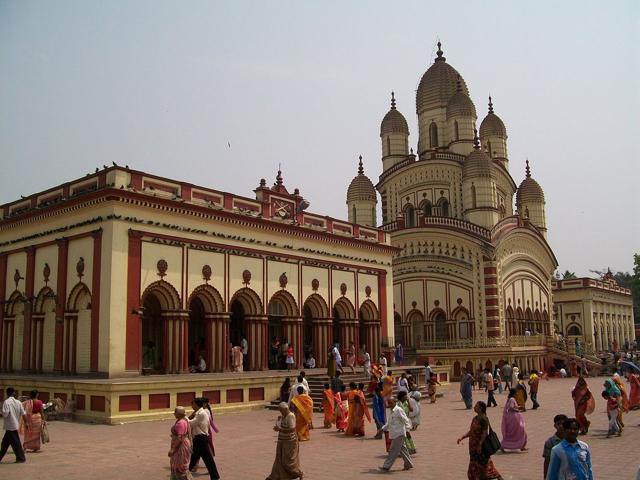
246, 443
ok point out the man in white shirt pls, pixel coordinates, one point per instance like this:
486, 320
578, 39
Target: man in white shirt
366, 362
12, 411
199, 422
397, 426
338, 357
383, 362
300, 382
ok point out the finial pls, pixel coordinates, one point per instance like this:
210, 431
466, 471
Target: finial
360, 167
439, 53
490, 105
393, 101
279, 176
527, 169
476, 140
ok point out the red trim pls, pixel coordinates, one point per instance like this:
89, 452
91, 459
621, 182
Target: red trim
382, 302
28, 312
132, 353
63, 254
136, 181
95, 300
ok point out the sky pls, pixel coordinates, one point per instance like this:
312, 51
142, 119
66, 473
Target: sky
167, 86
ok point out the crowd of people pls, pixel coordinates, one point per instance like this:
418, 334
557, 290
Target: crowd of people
23, 417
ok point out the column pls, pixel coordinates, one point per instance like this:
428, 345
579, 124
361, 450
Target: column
321, 339
133, 355
28, 308
95, 300
491, 299
61, 299
257, 326
347, 333
293, 331
217, 341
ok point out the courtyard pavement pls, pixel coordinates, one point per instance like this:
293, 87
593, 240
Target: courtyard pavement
246, 444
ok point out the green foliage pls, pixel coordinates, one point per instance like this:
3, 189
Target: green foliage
567, 275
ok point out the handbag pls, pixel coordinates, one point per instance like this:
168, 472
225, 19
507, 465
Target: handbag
44, 432
491, 444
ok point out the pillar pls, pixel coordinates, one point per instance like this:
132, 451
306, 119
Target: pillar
133, 355
372, 335
28, 308
292, 328
177, 353
257, 332
61, 299
95, 300
217, 335
348, 330
321, 340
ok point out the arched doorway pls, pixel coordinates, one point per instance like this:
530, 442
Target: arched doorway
248, 320
416, 320
316, 328
207, 328
13, 334
369, 329
397, 329
77, 336
153, 344
464, 327
285, 322
344, 323
44, 340
277, 312
440, 324
197, 331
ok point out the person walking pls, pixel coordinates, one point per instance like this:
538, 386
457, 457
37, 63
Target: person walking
199, 423
571, 458
180, 450
397, 426
584, 404
534, 383
383, 363
366, 363
351, 357
497, 379
302, 405
507, 371
286, 465
466, 388
480, 465
13, 411
514, 435
35, 421
552, 441
491, 401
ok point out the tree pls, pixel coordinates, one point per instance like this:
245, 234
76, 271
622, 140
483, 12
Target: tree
630, 281
567, 275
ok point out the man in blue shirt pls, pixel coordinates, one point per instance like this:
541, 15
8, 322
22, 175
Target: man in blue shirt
571, 458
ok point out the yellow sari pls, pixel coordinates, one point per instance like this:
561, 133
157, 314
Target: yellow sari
303, 405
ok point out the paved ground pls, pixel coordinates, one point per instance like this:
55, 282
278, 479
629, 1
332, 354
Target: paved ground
246, 443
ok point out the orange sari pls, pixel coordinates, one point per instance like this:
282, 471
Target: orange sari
328, 407
623, 391
387, 386
303, 405
341, 414
357, 411
634, 391
584, 403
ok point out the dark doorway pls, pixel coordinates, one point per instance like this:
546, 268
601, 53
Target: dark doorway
197, 331
237, 322
152, 336
336, 328
441, 328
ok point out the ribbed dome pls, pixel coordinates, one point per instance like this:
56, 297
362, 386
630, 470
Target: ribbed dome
394, 121
529, 190
477, 163
492, 124
361, 187
460, 105
438, 84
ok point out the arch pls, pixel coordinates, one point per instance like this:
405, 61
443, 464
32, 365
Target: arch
433, 135
210, 298
443, 207
343, 309
15, 305
456, 130
460, 316
415, 319
574, 330
409, 213
282, 303
426, 208
79, 298
439, 318
317, 306
369, 311
44, 299
166, 294
249, 300
398, 331
456, 369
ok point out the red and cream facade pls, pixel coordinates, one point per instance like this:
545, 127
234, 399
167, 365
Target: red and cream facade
93, 269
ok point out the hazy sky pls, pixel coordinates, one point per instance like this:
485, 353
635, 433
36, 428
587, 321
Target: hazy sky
165, 86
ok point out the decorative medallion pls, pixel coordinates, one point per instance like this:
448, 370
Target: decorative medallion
206, 273
80, 268
459, 301
436, 303
162, 267
283, 280
46, 273
367, 291
17, 277
343, 289
315, 283
246, 278
414, 304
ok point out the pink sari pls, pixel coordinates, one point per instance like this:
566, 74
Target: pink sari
32, 409
514, 435
179, 461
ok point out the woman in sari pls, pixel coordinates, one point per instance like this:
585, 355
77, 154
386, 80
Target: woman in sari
351, 357
584, 404
341, 411
614, 392
302, 404
286, 465
328, 406
357, 411
180, 451
285, 390
403, 401
623, 390
33, 428
331, 364
387, 385
466, 388
520, 395
480, 466
634, 390
514, 436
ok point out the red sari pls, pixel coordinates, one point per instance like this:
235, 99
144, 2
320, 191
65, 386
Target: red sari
584, 403
33, 409
634, 391
341, 413
328, 407
357, 411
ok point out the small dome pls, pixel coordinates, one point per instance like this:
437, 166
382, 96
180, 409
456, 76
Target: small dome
460, 105
394, 121
361, 187
529, 190
492, 124
438, 85
477, 163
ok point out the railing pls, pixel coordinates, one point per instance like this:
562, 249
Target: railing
481, 342
448, 222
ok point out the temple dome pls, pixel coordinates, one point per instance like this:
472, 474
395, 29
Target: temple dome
477, 163
460, 105
492, 124
394, 121
529, 190
361, 187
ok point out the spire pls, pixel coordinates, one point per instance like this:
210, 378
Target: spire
393, 101
490, 105
527, 169
476, 140
360, 167
279, 176
439, 53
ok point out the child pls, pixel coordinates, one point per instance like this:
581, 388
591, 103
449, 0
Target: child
613, 407
328, 406
289, 360
553, 440
414, 414
433, 381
